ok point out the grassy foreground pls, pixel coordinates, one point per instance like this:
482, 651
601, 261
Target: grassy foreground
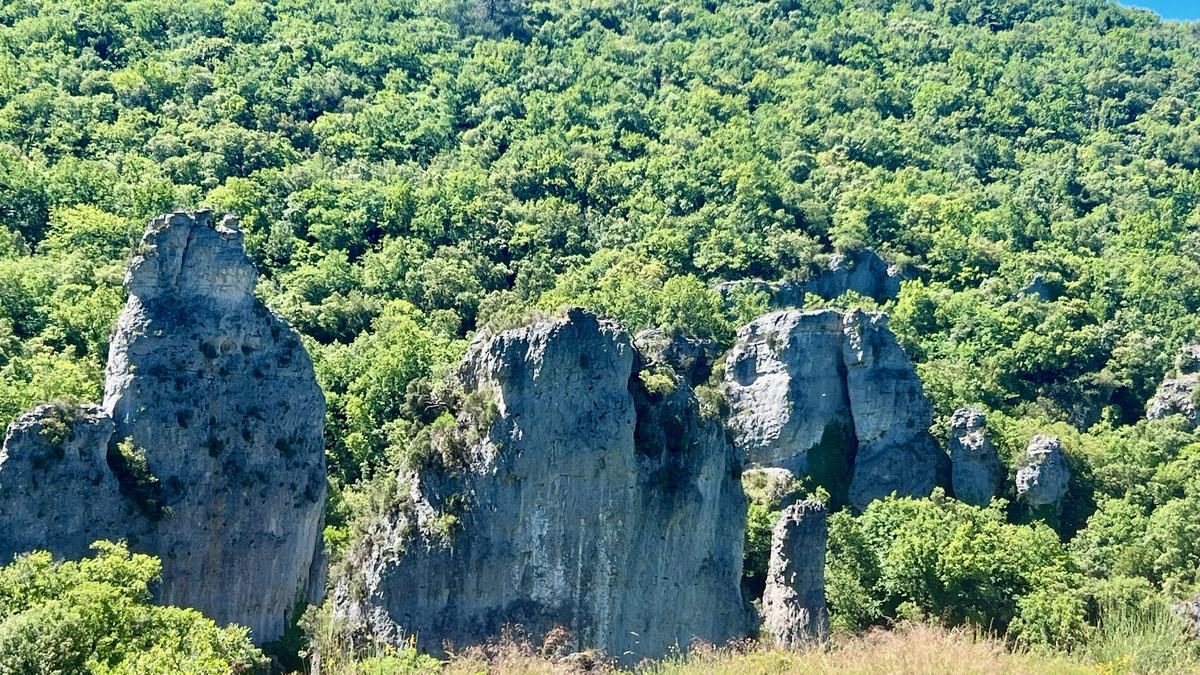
916, 649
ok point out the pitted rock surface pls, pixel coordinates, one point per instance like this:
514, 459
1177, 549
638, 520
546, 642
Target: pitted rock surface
794, 611
585, 503
975, 470
832, 395
56, 488
219, 397
1043, 476
1179, 393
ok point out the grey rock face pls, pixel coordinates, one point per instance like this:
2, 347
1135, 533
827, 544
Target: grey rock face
975, 470
219, 397
794, 611
1043, 476
1188, 609
1179, 394
692, 358
585, 503
862, 272
832, 395
55, 483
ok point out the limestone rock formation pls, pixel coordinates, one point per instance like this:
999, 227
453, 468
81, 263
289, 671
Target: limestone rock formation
581, 501
1043, 475
692, 358
834, 396
208, 450
1179, 394
975, 470
862, 272
794, 612
1188, 609
55, 483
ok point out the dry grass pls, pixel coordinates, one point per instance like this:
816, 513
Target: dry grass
914, 650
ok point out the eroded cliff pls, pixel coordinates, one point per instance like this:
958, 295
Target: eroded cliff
208, 449
832, 395
584, 501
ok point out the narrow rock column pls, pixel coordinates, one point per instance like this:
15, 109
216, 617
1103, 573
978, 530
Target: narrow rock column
208, 451
975, 470
794, 610
1043, 477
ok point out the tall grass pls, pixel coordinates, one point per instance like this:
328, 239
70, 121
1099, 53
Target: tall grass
1143, 638
916, 649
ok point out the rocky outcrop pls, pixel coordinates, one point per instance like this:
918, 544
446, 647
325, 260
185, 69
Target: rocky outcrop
691, 358
1043, 475
862, 272
832, 395
1179, 393
56, 487
580, 501
975, 470
1188, 610
794, 612
208, 449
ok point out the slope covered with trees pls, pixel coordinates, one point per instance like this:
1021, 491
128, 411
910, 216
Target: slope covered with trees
409, 172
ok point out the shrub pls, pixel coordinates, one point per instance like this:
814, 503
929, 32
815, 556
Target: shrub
960, 563
95, 616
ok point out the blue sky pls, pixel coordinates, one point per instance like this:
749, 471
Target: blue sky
1169, 9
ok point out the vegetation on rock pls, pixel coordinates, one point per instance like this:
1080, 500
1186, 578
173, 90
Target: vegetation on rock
410, 172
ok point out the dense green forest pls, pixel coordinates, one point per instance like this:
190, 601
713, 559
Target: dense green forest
411, 172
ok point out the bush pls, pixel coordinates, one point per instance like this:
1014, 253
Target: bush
962, 564
95, 616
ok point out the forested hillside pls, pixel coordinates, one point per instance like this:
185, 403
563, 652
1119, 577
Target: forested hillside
410, 172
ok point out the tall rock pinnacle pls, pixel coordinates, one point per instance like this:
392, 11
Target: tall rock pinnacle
212, 428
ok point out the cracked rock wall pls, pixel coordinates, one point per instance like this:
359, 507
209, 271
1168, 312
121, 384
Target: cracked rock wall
207, 451
833, 395
586, 503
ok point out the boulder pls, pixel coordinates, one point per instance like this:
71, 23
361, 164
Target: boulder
1179, 392
862, 272
1043, 475
211, 431
832, 395
580, 501
1188, 610
794, 612
975, 471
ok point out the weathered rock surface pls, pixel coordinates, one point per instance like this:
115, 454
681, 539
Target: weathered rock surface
1043, 475
1179, 393
832, 395
975, 470
692, 358
862, 272
584, 502
1188, 609
794, 612
208, 451
56, 487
